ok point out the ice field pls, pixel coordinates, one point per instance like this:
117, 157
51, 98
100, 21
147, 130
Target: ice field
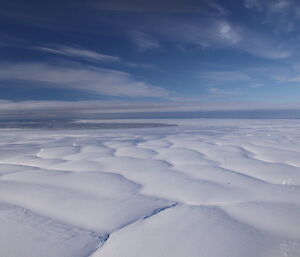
203, 188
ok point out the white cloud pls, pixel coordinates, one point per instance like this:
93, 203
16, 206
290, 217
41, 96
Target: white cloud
281, 15
228, 33
80, 52
264, 46
216, 6
215, 32
292, 79
275, 73
255, 43
275, 6
218, 92
252, 4
98, 80
280, 5
221, 76
85, 54
144, 42
256, 85
209, 32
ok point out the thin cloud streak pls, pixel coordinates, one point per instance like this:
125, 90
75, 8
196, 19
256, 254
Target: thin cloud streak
159, 6
64, 109
221, 76
79, 53
102, 81
145, 42
218, 92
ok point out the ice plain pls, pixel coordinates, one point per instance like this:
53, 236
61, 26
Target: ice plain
211, 188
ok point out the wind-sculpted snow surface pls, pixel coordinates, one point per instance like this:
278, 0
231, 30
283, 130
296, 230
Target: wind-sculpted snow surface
211, 188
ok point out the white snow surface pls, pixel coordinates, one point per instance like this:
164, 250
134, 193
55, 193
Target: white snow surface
209, 188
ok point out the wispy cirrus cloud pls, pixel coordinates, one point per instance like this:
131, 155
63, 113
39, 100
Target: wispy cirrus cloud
159, 6
264, 46
203, 31
79, 52
228, 33
215, 29
283, 15
220, 92
144, 42
92, 79
220, 33
252, 4
258, 85
275, 73
218, 76
270, 6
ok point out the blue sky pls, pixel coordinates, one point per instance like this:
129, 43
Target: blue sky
98, 56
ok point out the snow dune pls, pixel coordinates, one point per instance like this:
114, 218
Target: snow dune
212, 188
